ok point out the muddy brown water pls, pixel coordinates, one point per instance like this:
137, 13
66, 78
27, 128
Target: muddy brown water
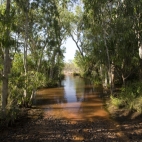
79, 102
76, 100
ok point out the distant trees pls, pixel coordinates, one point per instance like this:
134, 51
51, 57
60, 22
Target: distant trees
71, 67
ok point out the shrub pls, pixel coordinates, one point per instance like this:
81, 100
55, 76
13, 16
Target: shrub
17, 86
137, 105
11, 115
118, 102
130, 97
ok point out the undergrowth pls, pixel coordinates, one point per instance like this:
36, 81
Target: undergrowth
130, 97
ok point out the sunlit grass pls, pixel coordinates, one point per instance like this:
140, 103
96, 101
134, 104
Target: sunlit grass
129, 98
137, 104
117, 102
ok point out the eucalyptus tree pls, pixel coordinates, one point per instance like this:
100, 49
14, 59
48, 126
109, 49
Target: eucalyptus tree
9, 45
23, 30
40, 31
78, 35
5, 45
52, 28
97, 20
126, 38
136, 11
112, 26
47, 30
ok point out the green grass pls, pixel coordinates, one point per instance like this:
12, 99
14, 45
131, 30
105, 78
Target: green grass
130, 97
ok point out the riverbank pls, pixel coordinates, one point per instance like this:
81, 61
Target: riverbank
130, 122
59, 130
32, 126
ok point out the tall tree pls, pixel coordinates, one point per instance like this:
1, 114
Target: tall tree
6, 62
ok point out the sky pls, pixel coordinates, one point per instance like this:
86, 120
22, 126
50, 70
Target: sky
70, 49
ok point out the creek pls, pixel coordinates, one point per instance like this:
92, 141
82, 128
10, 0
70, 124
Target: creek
76, 100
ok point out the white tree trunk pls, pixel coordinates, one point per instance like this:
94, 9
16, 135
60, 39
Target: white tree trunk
25, 52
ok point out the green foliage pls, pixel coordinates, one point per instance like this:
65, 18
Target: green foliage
17, 66
51, 83
80, 63
137, 105
11, 115
97, 80
110, 31
71, 66
131, 93
130, 97
117, 102
41, 26
18, 80
104, 31
17, 86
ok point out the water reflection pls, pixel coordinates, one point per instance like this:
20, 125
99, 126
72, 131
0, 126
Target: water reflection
75, 101
69, 89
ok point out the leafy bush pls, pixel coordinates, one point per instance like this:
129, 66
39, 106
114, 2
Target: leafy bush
30, 83
11, 115
51, 83
118, 102
18, 83
130, 97
137, 105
